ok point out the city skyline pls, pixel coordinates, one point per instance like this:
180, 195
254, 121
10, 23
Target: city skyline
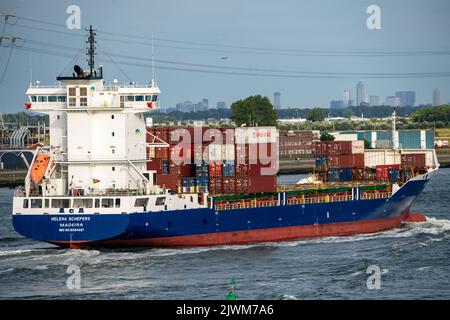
310, 56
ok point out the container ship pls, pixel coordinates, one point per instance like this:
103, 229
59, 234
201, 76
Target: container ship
110, 178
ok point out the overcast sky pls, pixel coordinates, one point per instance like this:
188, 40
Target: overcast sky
280, 30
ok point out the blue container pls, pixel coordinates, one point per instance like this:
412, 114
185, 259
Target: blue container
337, 175
202, 170
333, 175
165, 167
228, 170
394, 174
345, 174
321, 162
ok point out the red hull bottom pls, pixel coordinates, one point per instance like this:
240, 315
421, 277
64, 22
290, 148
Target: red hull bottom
273, 234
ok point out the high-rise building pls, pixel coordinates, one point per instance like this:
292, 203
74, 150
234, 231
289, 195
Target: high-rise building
407, 98
436, 97
360, 93
374, 100
221, 105
346, 96
205, 103
276, 100
392, 101
337, 104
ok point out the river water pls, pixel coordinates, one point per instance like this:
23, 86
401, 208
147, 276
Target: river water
413, 263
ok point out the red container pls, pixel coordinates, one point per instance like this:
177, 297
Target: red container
259, 184
382, 172
346, 161
215, 169
241, 185
228, 185
241, 170
415, 160
215, 185
169, 181
258, 169
321, 148
155, 164
185, 170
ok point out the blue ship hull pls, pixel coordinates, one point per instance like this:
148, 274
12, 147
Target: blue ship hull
209, 227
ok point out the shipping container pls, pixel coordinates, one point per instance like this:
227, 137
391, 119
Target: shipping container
168, 181
165, 167
373, 158
346, 161
382, 171
430, 159
155, 164
228, 170
321, 162
228, 185
413, 160
394, 175
241, 185
258, 184
215, 169
338, 175
255, 135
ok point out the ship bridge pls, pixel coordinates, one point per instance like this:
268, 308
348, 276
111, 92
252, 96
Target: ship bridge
97, 132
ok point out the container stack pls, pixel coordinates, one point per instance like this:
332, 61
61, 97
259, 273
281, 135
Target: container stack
348, 161
244, 160
339, 160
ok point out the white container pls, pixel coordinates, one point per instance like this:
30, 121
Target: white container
213, 152
345, 137
228, 153
255, 135
358, 147
373, 158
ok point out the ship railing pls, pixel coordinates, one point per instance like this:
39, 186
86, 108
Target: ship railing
371, 195
246, 205
309, 200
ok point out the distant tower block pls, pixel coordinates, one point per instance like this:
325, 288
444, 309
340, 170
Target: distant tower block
436, 97
360, 93
276, 100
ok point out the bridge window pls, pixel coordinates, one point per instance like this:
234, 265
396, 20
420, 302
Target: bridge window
107, 203
129, 98
160, 201
155, 97
60, 203
36, 203
148, 98
42, 98
141, 202
33, 98
82, 203
139, 98
61, 98
52, 98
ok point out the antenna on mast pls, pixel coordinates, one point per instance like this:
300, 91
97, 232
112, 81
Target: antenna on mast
91, 50
153, 63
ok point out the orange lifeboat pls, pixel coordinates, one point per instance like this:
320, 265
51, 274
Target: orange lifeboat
39, 167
